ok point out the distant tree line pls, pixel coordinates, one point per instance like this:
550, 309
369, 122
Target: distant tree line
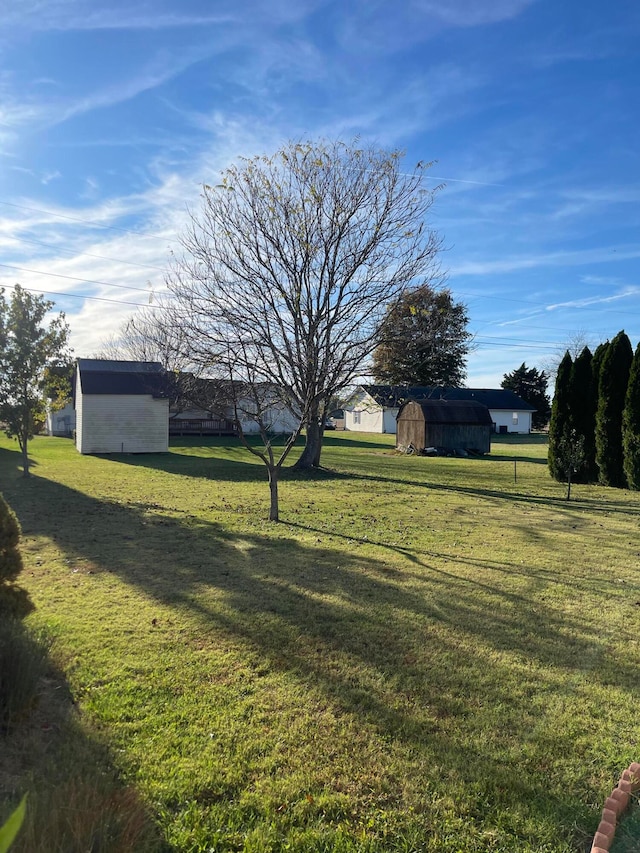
594, 432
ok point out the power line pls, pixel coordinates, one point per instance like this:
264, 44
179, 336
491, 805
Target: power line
88, 254
75, 278
83, 296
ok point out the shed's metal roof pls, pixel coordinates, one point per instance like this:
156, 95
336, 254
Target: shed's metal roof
102, 376
447, 412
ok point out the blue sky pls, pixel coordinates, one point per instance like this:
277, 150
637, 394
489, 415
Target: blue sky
113, 114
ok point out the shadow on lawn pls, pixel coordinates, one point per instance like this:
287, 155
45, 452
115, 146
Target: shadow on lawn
302, 608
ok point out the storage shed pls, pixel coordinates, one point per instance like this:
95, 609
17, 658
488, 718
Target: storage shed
450, 425
121, 406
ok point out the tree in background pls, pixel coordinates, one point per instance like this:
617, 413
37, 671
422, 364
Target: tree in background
612, 390
631, 425
560, 422
531, 385
27, 350
423, 340
583, 401
290, 263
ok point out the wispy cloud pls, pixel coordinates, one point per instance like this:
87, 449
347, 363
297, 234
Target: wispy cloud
595, 300
550, 259
473, 13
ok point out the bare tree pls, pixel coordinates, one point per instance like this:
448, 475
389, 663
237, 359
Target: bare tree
151, 335
574, 345
290, 264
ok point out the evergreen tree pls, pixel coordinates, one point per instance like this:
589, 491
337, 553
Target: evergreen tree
583, 400
560, 419
631, 425
612, 390
596, 366
423, 340
531, 385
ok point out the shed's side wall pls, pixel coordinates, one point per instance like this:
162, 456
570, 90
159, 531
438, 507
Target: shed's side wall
118, 423
79, 408
459, 437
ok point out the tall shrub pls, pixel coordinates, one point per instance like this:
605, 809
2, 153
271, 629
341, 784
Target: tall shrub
612, 391
631, 425
10, 558
560, 419
583, 400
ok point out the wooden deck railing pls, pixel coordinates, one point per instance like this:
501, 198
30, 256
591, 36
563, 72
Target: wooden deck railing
200, 426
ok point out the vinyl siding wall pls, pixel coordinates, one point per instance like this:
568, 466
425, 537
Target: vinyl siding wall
504, 418
114, 423
363, 414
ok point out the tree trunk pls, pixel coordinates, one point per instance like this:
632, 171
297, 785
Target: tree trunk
273, 488
25, 458
310, 457
569, 485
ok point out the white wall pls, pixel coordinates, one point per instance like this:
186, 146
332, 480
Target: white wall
60, 421
363, 414
121, 423
280, 421
502, 417
79, 409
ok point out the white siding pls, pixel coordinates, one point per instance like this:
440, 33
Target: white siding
390, 423
502, 418
120, 423
280, 421
60, 421
79, 407
363, 414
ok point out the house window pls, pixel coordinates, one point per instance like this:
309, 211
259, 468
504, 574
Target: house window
514, 419
356, 417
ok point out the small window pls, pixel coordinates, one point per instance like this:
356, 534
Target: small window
514, 419
356, 417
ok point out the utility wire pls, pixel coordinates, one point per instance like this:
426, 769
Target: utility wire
75, 278
88, 254
84, 296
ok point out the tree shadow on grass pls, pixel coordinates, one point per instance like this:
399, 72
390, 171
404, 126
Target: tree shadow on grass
301, 608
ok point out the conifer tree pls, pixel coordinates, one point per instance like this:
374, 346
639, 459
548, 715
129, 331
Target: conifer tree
596, 366
560, 421
583, 400
612, 391
530, 384
631, 425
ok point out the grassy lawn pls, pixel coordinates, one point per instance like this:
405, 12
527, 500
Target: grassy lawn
424, 656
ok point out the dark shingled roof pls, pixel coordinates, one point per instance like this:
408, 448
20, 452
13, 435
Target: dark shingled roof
101, 376
449, 412
393, 396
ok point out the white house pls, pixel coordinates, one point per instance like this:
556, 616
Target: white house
374, 408
121, 407
60, 422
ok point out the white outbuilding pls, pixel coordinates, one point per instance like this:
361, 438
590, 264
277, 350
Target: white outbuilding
121, 406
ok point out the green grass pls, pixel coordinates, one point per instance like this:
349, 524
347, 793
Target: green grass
423, 656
